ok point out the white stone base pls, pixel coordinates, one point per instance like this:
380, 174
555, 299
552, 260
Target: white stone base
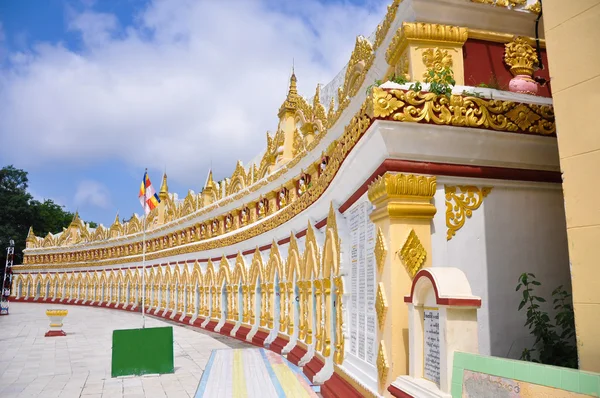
419, 388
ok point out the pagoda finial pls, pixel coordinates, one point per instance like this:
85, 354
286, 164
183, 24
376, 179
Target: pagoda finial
209, 180
117, 218
164, 188
291, 101
30, 234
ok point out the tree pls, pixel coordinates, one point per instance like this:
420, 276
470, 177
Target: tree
19, 211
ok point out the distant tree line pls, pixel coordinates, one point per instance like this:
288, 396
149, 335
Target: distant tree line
19, 211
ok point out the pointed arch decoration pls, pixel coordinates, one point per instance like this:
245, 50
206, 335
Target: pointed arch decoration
293, 277
186, 290
78, 284
209, 284
198, 290
239, 282
176, 291
103, 287
135, 291
324, 283
119, 285
274, 267
255, 278
29, 287
310, 322
224, 281
166, 287
158, 281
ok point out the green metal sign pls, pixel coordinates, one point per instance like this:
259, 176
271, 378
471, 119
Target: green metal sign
142, 351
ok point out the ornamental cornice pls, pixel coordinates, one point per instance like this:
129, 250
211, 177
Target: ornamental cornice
424, 33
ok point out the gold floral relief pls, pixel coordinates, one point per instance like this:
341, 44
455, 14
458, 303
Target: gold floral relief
461, 202
413, 254
381, 305
436, 59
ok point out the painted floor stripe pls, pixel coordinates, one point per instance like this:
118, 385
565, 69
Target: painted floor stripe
252, 373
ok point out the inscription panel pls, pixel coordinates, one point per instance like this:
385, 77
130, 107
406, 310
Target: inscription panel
431, 345
362, 315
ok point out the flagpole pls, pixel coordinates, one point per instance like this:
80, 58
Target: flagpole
144, 264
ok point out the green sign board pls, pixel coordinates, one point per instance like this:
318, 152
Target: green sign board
142, 351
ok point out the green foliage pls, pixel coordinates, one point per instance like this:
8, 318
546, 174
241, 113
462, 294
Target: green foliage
19, 211
494, 83
554, 344
399, 79
440, 82
472, 94
416, 86
394, 78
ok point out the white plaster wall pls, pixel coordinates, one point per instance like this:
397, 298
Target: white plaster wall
520, 227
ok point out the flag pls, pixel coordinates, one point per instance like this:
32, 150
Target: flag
148, 196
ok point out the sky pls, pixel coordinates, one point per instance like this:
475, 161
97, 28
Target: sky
92, 92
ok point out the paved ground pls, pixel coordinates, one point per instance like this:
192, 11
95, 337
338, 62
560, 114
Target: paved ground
78, 365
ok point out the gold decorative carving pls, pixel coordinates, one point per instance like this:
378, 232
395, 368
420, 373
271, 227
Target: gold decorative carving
381, 305
380, 250
535, 8
383, 366
436, 60
502, 3
384, 104
465, 111
424, 33
397, 185
460, 206
520, 56
413, 253
384, 27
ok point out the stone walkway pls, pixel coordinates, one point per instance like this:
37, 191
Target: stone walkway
79, 364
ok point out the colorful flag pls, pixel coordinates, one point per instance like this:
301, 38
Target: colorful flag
148, 196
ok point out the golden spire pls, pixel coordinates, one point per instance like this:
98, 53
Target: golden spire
76, 220
30, 235
117, 222
291, 102
164, 189
209, 181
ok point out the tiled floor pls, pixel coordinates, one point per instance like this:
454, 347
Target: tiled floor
252, 373
78, 365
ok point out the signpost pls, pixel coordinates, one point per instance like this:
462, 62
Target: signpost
7, 278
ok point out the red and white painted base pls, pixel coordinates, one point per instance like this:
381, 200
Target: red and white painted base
56, 324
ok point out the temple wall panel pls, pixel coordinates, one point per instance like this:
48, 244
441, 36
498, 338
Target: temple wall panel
514, 227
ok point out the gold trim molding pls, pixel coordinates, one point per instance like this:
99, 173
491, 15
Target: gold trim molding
461, 205
413, 254
381, 305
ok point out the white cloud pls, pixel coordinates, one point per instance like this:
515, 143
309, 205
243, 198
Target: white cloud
191, 82
92, 193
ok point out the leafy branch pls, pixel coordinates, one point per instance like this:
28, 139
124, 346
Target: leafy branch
551, 347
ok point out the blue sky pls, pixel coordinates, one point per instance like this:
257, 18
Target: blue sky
92, 92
